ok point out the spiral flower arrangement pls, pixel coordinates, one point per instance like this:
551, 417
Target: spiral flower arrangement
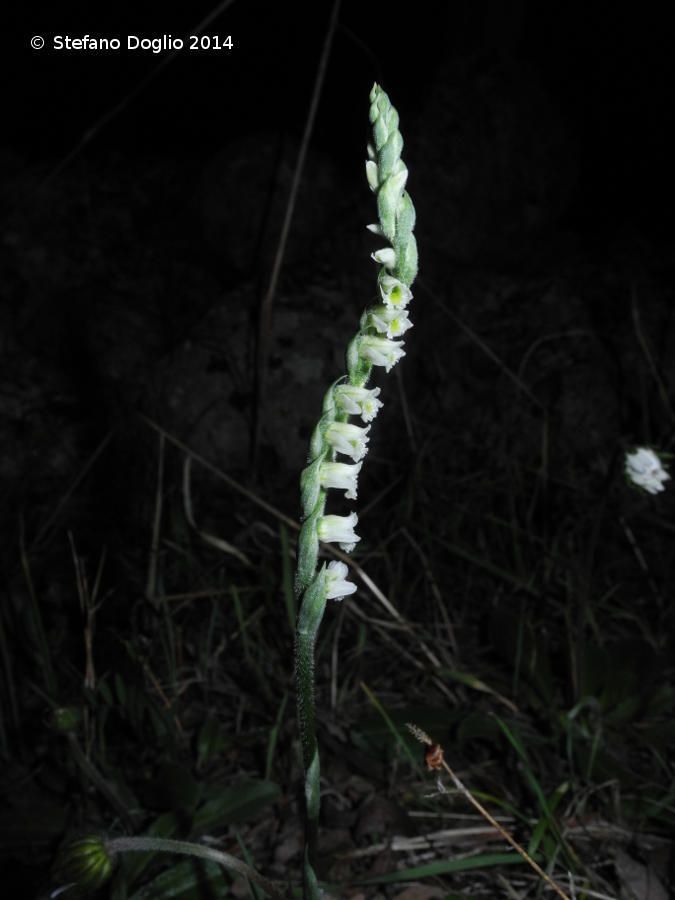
377, 343
86, 863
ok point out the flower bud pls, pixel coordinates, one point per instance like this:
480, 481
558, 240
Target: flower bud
385, 257
83, 865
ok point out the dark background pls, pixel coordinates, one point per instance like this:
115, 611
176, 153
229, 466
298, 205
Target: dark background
607, 68
142, 205
534, 134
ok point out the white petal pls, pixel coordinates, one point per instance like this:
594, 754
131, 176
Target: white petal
385, 257
352, 440
358, 401
644, 469
337, 585
372, 175
381, 351
394, 292
392, 322
339, 529
341, 476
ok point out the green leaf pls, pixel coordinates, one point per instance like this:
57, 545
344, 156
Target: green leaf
165, 826
105, 692
120, 689
445, 866
391, 726
478, 726
192, 879
210, 742
235, 804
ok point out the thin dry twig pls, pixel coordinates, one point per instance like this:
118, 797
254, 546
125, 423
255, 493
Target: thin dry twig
265, 323
435, 760
153, 558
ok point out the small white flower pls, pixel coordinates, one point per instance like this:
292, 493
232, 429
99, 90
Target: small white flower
341, 476
394, 293
392, 322
352, 440
340, 530
337, 585
644, 469
385, 257
358, 401
375, 228
381, 351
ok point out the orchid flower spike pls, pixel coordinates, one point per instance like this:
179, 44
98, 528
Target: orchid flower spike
377, 343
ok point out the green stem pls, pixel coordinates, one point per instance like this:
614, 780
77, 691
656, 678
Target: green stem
92, 773
309, 620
